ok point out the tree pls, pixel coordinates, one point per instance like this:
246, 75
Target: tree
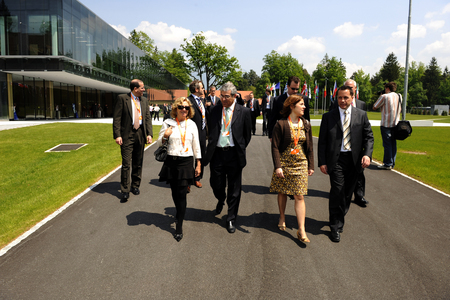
391, 68
210, 61
143, 41
327, 72
432, 81
364, 86
175, 63
251, 77
262, 84
280, 67
416, 94
444, 91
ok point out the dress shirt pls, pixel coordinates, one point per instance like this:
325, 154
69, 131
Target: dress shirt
390, 109
175, 146
133, 107
341, 113
229, 127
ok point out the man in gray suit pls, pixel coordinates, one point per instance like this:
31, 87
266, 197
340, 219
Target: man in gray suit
266, 106
132, 128
344, 149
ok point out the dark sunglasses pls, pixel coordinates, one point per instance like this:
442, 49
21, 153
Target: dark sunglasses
180, 107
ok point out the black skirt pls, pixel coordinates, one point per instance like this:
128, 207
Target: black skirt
178, 169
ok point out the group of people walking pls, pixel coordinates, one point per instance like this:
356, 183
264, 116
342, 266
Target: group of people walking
216, 131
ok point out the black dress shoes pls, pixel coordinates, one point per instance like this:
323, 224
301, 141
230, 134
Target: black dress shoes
361, 202
335, 236
230, 227
178, 236
219, 207
125, 197
135, 191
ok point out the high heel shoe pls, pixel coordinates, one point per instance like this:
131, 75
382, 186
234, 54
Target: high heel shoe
282, 227
302, 239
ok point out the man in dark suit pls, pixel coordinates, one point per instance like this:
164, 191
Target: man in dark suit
132, 128
212, 99
344, 149
266, 107
293, 88
196, 98
360, 188
229, 126
255, 109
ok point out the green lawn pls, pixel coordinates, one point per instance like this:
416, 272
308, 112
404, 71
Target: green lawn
33, 183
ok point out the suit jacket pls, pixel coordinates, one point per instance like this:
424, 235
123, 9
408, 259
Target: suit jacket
241, 126
123, 117
256, 107
264, 102
197, 118
209, 100
331, 133
359, 104
278, 106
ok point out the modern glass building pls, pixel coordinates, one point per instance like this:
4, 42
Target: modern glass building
58, 59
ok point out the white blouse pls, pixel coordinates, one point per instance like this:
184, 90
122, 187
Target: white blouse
175, 146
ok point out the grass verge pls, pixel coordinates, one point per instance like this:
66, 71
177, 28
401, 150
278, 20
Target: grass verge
33, 184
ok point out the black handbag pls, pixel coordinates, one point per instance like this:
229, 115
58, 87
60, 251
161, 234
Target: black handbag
403, 129
161, 153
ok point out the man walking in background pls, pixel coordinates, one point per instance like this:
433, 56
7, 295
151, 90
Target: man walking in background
132, 128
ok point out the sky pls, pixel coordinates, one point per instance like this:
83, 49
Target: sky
360, 33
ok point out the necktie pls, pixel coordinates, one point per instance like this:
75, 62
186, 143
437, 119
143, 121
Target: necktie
225, 140
136, 115
199, 101
346, 127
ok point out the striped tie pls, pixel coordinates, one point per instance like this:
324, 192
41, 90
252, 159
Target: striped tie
199, 102
346, 126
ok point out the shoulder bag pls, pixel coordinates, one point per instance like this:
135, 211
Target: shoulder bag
403, 128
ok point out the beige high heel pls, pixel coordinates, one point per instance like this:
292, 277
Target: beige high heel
304, 239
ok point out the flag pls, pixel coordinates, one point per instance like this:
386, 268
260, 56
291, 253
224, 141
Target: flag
316, 90
309, 92
357, 91
304, 89
277, 86
285, 88
334, 91
272, 87
325, 92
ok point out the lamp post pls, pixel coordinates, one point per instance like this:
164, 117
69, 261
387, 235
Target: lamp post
405, 92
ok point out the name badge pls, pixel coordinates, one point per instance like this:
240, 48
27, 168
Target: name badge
295, 151
226, 133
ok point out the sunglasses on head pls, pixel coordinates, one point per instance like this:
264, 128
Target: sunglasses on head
180, 107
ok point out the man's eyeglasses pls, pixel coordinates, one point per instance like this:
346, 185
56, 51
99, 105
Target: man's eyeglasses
181, 107
225, 96
294, 89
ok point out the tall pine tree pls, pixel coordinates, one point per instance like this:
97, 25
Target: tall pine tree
432, 81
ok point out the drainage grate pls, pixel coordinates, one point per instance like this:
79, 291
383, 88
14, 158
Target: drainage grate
66, 147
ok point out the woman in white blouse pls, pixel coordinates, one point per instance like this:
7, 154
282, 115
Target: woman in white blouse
181, 134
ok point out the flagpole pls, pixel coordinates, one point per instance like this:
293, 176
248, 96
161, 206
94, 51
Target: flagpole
405, 92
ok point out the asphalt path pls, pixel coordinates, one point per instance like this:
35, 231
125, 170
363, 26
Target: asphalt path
99, 248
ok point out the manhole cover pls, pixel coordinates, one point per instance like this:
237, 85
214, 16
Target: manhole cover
66, 147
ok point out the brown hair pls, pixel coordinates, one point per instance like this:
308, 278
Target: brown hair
180, 101
291, 100
392, 86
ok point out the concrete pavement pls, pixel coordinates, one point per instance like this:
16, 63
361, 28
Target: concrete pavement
99, 248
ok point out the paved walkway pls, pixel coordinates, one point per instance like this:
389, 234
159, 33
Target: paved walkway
99, 248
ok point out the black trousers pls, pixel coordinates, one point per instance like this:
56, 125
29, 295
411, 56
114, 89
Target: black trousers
266, 115
342, 181
225, 170
179, 199
202, 139
360, 188
132, 151
254, 116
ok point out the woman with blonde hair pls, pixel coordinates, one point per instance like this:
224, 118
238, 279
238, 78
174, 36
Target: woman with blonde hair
293, 160
181, 134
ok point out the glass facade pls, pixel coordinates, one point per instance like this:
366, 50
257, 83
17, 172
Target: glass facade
64, 35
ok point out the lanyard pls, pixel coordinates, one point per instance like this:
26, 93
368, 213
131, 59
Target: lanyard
225, 119
183, 136
296, 136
